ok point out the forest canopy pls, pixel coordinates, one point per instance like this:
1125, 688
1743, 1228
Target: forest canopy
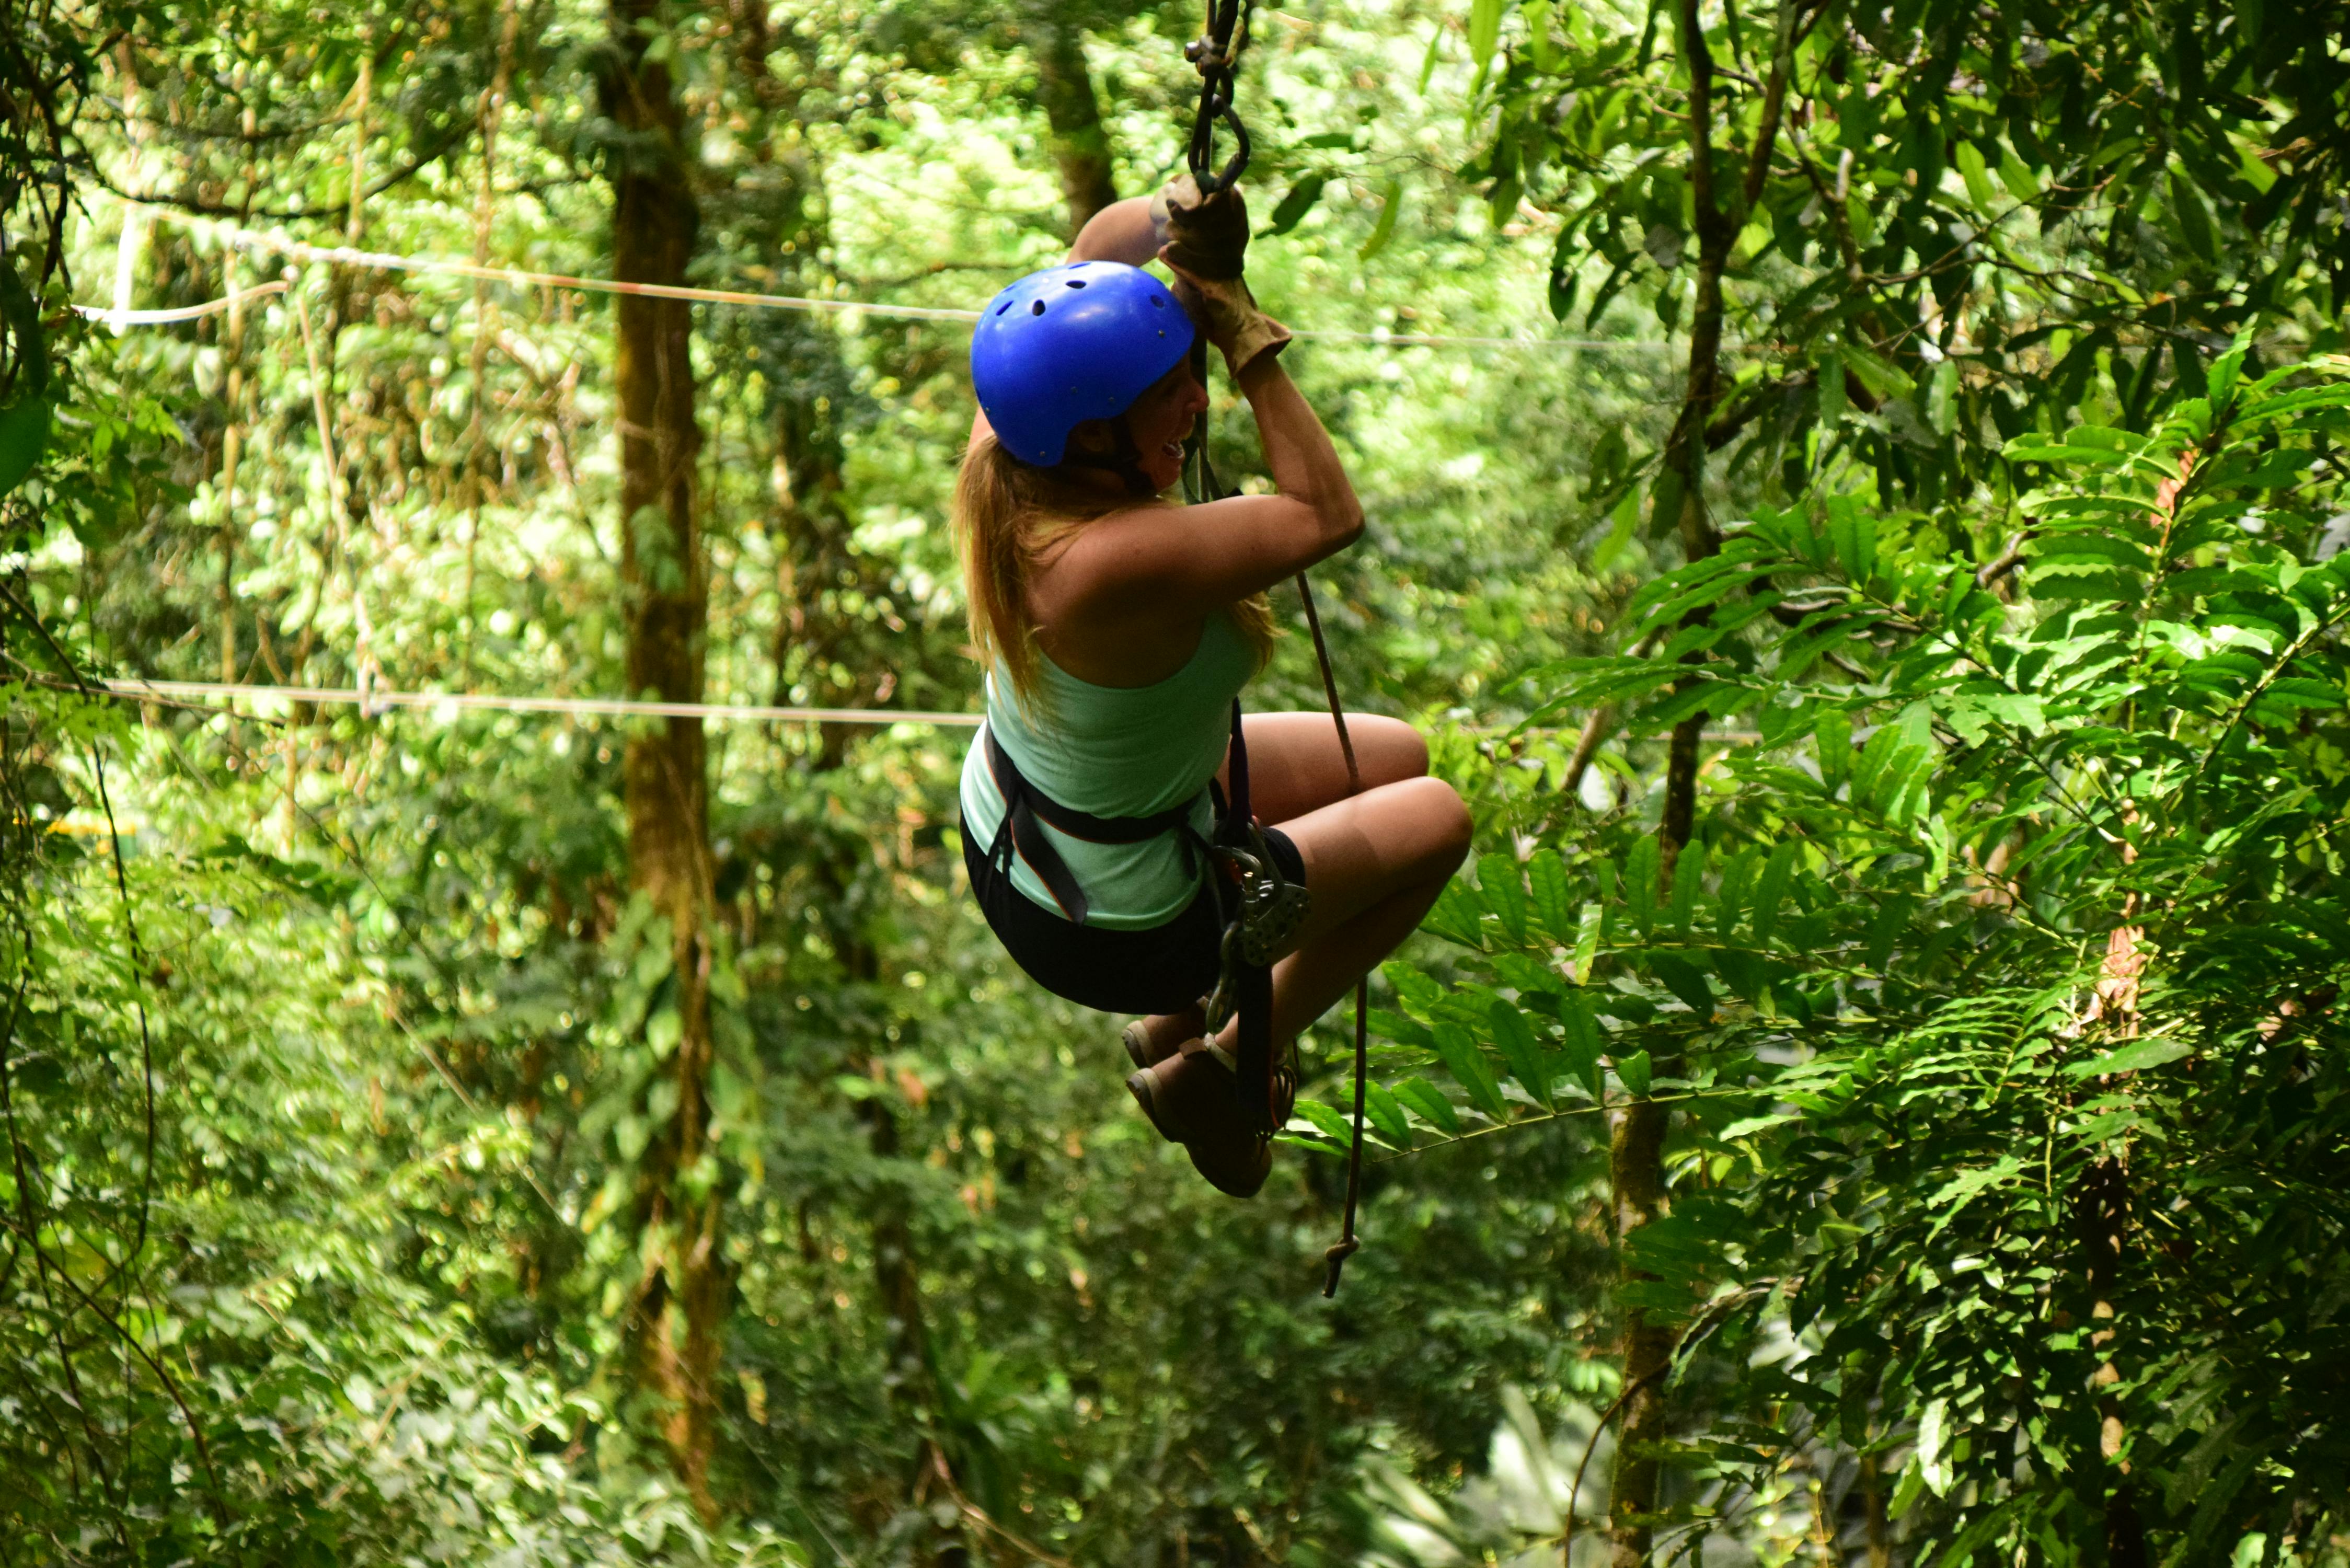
500, 1062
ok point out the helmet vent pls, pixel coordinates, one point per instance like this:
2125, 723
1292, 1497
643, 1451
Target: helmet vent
1076, 283
1003, 307
1037, 308
1160, 301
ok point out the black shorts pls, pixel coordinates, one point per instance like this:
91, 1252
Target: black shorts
1159, 968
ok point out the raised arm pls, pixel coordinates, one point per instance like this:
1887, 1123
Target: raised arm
1122, 232
1162, 565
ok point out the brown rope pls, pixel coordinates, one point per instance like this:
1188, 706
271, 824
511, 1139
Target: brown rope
1347, 1244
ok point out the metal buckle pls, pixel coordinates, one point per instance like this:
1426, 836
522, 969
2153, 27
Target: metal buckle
1272, 905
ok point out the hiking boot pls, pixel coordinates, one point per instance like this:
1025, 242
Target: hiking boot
1144, 1053
1192, 1099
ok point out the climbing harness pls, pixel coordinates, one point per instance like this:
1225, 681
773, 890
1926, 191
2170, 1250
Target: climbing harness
1257, 907
1269, 911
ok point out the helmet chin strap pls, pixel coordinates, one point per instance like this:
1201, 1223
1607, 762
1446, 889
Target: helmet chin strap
1123, 459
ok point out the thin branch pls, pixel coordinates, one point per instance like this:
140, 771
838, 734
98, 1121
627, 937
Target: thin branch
2006, 561
1574, 1492
288, 214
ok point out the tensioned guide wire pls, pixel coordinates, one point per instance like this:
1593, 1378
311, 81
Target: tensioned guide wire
297, 251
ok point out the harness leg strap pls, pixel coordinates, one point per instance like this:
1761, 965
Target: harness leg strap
1251, 983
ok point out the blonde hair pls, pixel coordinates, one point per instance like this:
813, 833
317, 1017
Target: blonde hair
1009, 516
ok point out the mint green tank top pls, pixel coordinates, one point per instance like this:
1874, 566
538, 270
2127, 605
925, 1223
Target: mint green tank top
1116, 751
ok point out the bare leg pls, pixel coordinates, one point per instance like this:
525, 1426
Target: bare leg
1295, 769
1374, 864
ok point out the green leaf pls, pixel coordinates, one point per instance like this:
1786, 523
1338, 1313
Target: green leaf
1684, 980
1689, 881
1428, 1101
1521, 1050
2132, 1058
1886, 930
1941, 397
24, 434
1328, 1121
1297, 204
1385, 228
1633, 1071
1736, 878
1419, 993
664, 1030
1501, 888
1538, 39
1883, 377
1384, 1115
22, 313
1977, 174
1528, 976
1547, 876
1583, 1043
1469, 1069
2220, 381
1834, 746
1853, 533
1932, 1433
1771, 891
1484, 32
1829, 367
1455, 916
1749, 975
2195, 224
1587, 941
1640, 884
2017, 176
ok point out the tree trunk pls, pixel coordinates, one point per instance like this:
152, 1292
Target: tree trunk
1635, 1169
681, 1295
1636, 1150
1080, 143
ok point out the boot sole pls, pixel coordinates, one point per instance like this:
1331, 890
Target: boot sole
1138, 1084
1246, 1184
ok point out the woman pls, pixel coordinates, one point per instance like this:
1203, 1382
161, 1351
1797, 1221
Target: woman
1116, 628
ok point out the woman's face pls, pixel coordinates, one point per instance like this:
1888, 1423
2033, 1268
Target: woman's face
1159, 421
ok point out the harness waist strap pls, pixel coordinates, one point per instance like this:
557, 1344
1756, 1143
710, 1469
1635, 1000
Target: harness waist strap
1078, 823
1026, 805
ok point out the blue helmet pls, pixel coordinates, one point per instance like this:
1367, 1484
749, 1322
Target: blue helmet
1070, 344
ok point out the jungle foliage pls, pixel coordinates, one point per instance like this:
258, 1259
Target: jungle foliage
1872, 1099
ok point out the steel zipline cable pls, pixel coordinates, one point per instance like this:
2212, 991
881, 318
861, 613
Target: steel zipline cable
373, 700
255, 241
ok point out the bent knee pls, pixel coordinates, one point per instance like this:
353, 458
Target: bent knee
1393, 748
1444, 821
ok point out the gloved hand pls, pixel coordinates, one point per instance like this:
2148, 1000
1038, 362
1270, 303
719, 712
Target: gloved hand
1228, 313
1208, 234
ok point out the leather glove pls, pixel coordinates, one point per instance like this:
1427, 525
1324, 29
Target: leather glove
1209, 235
1229, 313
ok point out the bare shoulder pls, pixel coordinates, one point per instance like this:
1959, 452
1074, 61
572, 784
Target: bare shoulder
1101, 566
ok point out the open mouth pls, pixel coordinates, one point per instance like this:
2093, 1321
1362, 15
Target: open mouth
1173, 449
